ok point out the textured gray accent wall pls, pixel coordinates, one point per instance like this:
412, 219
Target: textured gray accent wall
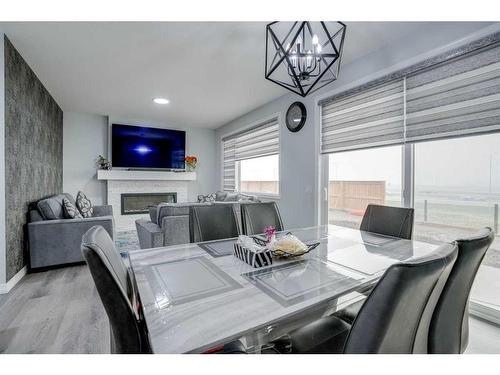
33, 150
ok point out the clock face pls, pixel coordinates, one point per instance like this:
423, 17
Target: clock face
296, 117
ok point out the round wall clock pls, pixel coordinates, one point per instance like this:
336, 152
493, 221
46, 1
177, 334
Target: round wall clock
296, 116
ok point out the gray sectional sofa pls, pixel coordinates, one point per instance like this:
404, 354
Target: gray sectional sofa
54, 240
168, 223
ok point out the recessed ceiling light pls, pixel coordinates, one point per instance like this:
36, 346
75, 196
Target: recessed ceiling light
161, 101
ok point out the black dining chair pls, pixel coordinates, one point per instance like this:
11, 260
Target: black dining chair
449, 330
256, 216
389, 221
212, 222
117, 292
121, 301
395, 317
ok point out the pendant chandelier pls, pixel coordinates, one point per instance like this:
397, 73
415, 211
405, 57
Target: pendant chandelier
304, 56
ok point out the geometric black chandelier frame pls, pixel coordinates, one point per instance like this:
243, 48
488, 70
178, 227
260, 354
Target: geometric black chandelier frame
304, 56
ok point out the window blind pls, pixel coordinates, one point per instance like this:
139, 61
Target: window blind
262, 140
229, 165
370, 118
458, 98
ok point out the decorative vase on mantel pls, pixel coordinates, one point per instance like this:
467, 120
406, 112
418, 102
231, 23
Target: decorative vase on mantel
190, 163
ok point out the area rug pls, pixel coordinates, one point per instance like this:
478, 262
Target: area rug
127, 241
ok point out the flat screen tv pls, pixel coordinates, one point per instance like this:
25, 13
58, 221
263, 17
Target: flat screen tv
139, 147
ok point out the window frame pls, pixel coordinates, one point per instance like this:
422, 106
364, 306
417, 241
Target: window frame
407, 170
257, 193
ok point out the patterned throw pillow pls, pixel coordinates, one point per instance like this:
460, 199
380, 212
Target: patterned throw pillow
84, 205
206, 198
70, 211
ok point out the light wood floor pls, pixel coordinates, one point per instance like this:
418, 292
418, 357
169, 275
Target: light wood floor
59, 311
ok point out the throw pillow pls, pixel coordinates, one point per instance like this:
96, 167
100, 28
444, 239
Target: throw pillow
70, 211
84, 205
206, 198
220, 196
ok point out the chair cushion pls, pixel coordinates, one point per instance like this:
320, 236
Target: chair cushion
70, 211
84, 205
52, 208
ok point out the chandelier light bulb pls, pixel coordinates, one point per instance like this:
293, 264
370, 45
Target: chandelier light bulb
315, 39
294, 59
309, 58
318, 49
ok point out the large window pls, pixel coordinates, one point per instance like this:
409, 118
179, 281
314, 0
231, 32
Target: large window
251, 159
259, 175
358, 178
457, 192
444, 119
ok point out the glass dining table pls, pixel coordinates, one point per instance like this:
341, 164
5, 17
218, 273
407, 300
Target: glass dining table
198, 296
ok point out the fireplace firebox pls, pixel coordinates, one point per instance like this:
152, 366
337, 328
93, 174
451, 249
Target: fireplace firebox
138, 203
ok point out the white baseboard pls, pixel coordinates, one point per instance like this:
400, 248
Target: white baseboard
484, 311
5, 288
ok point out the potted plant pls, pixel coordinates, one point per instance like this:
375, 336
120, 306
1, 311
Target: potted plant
103, 163
191, 163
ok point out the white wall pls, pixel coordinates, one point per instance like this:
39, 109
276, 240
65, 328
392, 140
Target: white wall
2, 164
86, 136
300, 159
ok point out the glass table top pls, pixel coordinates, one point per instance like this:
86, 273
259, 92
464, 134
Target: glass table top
196, 296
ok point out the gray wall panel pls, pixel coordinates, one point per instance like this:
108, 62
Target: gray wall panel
33, 150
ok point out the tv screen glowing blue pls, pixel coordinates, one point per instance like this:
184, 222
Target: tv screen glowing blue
147, 148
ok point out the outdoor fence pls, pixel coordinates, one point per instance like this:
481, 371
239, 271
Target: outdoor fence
355, 195
259, 186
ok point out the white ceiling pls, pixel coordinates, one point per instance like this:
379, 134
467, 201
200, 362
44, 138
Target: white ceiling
212, 72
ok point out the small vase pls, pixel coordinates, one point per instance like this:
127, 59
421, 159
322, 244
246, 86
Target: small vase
190, 168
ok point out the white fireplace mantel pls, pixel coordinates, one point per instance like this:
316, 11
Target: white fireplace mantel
123, 174
121, 182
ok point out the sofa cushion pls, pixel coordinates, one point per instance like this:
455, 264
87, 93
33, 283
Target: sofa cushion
70, 210
232, 197
84, 205
220, 196
52, 208
34, 216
